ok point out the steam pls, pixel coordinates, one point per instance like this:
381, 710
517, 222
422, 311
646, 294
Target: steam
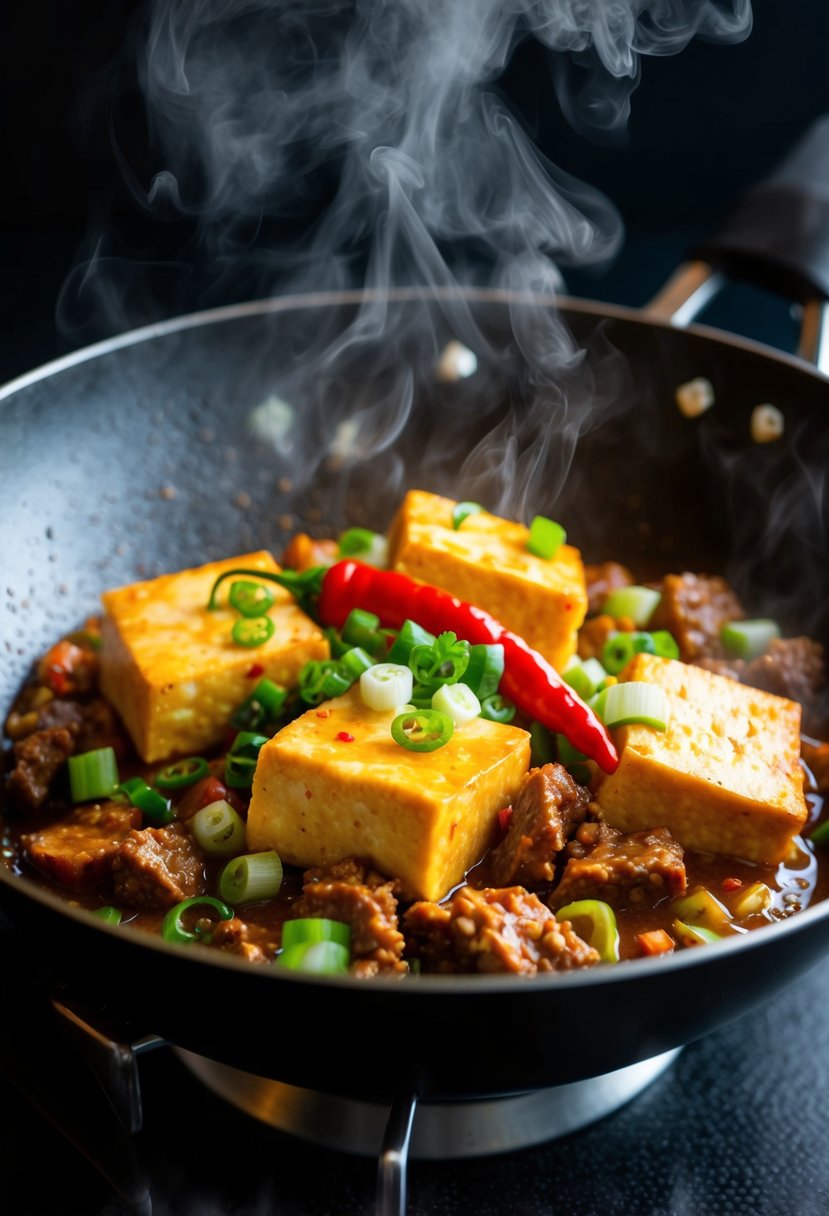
388, 113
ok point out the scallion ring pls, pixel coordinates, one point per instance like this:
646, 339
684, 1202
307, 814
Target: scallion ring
385, 686
458, 701
182, 773
173, 928
240, 761
496, 708
315, 958
409, 635
462, 511
635, 703
308, 929
250, 599
636, 603
484, 669
149, 802
546, 537
252, 631
251, 877
424, 731
92, 774
219, 829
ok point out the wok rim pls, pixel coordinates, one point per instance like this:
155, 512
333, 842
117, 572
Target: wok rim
426, 985
317, 299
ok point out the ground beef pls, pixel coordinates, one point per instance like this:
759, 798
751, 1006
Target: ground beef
80, 850
493, 930
545, 814
157, 868
793, 668
234, 936
694, 608
816, 757
636, 869
38, 760
731, 669
350, 891
601, 580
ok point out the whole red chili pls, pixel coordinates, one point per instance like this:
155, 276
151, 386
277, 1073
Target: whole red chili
529, 680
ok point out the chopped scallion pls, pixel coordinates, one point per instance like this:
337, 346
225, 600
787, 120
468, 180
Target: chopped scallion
541, 745
92, 774
386, 685
264, 705
748, 639
149, 802
409, 636
219, 829
546, 537
240, 761
370, 547
109, 914
251, 877
635, 703
458, 701
496, 708
315, 958
173, 928
462, 511
309, 929
637, 603
484, 669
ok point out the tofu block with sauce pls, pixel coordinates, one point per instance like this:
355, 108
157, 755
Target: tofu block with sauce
333, 783
171, 668
486, 562
725, 776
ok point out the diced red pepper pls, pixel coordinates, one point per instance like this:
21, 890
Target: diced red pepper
655, 941
732, 884
254, 671
345, 737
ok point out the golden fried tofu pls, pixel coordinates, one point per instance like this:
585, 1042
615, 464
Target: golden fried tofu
171, 668
724, 777
334, 783
486, 562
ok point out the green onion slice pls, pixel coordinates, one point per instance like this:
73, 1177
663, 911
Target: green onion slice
546, 537
409, 636
462, 511
152, 804
385, 686
265, 704
250, 599
93, 774
567, 754
251, 877
219, 829
542, 750
182, 773
665, 644
309, 929
315, 958
595, 923
370, 547
355, 661
748, 639
637, 603
484, 669
360, 628
635, 702
497, 708
240, 761
584, 677
820, 836
424, 731
173, 928
252, 631
458, 701
109, 914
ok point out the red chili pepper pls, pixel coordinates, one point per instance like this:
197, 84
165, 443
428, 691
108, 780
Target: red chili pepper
528, 680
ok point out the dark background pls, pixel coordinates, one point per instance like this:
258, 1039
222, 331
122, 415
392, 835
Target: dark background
704, 125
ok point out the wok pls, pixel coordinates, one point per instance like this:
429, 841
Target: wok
219, 432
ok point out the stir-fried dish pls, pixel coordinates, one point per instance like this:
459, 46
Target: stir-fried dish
450, 748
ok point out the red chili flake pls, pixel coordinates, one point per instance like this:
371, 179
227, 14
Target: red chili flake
504, 819
254, 671
732, 884
452, 830
323, 713
345, 737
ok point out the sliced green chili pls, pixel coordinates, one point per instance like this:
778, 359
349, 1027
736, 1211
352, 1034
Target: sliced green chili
240, 762
424, 731
595, 923
265, 704
173, 927
250, 599
252, 631
182, 773
484, 669
496, 708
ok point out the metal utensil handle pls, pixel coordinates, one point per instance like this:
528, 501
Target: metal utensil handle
777, 238
394, 1157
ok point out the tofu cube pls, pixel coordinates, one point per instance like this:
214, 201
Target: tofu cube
486, 562
724, 777
171, 668
422, 817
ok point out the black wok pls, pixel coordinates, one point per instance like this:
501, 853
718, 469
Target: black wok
168, 447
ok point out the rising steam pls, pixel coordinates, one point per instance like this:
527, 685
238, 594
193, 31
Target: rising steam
382, 119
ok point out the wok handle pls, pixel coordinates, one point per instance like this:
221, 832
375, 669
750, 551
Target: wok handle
777, 238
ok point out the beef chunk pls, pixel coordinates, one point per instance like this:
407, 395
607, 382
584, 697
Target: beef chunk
601, 580
80, 850
694, 608
38, 760
350, 891
793, 668
639, 868
545, 814
235, 937
493, 930
816, 757
157, 868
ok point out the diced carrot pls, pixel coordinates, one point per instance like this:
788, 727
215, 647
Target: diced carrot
655, 941
731, 884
